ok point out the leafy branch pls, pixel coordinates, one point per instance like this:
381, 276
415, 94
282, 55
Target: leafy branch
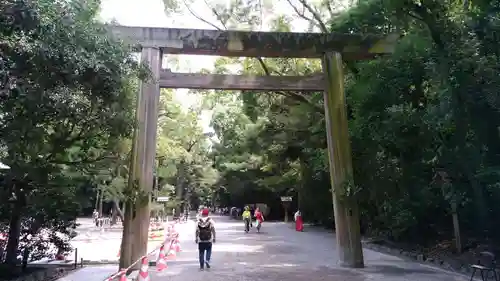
297, 96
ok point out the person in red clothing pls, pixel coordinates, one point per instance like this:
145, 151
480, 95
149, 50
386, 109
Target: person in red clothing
299, 224
259, 217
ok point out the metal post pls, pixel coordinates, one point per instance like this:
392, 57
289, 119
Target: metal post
76, 257
340, 164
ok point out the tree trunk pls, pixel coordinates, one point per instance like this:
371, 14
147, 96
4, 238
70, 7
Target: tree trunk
126, 245
14, 234
117, 210
26, 254
179, 189
456, 228
128, 207
140, 229
117, 213
481, 206
101, 197
97, 196
114, 214
304, 176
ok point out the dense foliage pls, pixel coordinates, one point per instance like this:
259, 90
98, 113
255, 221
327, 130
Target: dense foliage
65, 101
184, 170
423, 122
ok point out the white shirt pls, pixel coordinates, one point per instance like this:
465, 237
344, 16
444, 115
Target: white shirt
296, 215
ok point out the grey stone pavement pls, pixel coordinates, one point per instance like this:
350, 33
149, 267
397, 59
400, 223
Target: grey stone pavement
100, 245
278, 253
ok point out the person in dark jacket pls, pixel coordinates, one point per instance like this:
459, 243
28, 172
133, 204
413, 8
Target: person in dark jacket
205, 236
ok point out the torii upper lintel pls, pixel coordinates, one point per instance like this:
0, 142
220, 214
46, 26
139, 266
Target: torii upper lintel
256, 44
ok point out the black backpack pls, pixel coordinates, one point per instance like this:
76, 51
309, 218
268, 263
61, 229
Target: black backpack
205, 231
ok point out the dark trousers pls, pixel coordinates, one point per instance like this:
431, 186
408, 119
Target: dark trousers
248, 223
204, 248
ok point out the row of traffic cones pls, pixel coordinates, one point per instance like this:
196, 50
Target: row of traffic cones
163, 257
122, 275
156, 231
175, 248
170, 230
161, 264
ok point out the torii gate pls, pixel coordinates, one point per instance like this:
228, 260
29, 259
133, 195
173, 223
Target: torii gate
331, 48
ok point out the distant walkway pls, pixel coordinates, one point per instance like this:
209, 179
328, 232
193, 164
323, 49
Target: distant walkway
277, 254
280, 253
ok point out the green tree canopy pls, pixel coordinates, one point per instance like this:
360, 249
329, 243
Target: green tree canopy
422, 122
66, 96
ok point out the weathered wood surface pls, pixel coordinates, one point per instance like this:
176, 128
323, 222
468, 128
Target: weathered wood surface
256, 44
241, 82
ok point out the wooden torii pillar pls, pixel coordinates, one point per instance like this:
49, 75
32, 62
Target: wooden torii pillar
330, 48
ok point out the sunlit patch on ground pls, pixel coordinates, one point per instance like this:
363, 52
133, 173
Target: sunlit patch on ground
280, 265
230, 231
237, 248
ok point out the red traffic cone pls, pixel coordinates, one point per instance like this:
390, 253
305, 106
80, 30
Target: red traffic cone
177, 247
143, 271
161, 263
123, 276
171, 254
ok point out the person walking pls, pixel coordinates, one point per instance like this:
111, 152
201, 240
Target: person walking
247, 218
95, 216
205, 236
299, 224
259, 218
